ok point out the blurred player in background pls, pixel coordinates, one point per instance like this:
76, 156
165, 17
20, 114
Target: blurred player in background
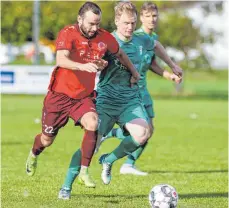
80, 49
148, 17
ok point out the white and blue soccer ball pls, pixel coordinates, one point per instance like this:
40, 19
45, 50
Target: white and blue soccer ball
163, 196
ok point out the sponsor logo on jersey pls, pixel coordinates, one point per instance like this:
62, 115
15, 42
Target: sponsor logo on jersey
140, 49
82, 52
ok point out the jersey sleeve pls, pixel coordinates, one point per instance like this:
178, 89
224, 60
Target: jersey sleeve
153, 58
112, 44
64, 40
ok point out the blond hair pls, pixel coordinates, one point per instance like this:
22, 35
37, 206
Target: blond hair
148, 6
125, 6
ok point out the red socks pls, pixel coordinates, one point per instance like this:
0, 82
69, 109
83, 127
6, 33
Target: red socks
37, 146
88, 147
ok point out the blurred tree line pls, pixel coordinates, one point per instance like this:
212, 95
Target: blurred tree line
175, 28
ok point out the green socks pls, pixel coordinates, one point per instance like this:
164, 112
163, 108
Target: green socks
73, 170
131, 159
126, 147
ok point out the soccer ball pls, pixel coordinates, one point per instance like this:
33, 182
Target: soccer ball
163, 196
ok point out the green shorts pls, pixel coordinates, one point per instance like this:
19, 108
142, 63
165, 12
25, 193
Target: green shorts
120, 114
147, 102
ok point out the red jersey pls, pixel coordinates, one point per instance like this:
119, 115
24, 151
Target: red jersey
74, 83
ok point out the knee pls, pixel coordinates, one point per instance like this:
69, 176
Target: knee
143, 135
46, 140
91, 123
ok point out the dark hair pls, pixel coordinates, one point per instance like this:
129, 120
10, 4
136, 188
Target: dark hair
148, 6
89, 6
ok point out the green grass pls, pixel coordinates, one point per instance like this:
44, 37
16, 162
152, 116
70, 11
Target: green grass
190, 154
196, 85
188, 151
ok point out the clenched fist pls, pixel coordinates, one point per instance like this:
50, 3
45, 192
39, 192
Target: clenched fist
175, 78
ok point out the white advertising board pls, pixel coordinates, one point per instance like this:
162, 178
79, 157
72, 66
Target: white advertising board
24, 79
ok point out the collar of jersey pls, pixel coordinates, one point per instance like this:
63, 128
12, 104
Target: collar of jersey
124, 41
146, 32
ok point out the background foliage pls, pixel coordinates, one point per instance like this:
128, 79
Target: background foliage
175, 28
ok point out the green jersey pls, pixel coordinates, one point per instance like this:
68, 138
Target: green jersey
145, 65
147, 57
153, 36
114, 81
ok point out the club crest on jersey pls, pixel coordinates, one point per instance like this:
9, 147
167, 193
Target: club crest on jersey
101, 46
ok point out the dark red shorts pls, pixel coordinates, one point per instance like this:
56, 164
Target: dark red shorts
58, 108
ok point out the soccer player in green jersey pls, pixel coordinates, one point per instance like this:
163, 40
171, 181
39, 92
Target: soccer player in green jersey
116, 101
148, 17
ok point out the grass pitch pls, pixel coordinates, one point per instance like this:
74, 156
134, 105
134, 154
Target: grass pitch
188, 151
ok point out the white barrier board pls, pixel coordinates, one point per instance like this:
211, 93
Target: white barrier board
21, 79
26, 79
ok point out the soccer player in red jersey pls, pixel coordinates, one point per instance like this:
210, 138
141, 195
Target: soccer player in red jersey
80, 49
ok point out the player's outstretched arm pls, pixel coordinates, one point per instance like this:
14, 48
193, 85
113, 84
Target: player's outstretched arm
123, 58
161, 72
63, 60
156, 68
162, 54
